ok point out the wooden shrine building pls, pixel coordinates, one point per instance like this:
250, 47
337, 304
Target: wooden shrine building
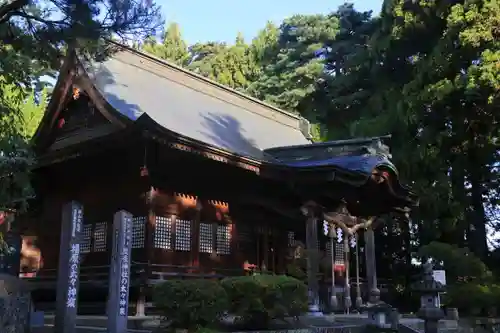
215, 179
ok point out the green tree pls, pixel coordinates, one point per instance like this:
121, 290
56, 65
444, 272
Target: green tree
172, 48
15, 158
231, 65
293, 70
34, 35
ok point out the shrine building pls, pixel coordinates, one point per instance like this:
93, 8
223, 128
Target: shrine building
215, 179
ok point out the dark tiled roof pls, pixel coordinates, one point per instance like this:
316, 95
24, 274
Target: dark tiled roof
136, 84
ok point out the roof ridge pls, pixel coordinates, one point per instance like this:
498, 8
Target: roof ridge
216, 84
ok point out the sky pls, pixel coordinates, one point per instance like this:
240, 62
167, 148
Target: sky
221, 20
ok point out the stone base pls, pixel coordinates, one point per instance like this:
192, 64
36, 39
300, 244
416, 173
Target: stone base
15, 305
382, 316
314, 311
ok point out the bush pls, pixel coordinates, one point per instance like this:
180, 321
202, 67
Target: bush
190, 304
474, 298
256, 300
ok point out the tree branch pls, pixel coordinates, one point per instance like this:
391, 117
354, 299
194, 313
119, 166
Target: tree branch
8, 9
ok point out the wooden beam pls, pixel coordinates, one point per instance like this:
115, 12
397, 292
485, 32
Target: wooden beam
349, 224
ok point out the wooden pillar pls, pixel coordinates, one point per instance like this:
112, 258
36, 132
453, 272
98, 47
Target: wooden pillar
148, 250
312, 259
347, 284
371, 267
195, 236
265, 248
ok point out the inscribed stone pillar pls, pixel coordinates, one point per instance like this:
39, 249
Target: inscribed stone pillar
69, 268
312, 262
119, 273
371, 267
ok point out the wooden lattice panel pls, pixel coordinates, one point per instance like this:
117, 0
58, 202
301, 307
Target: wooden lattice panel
339, 253
138, 232
163, 233
86, 245
182, 235
206, 238
100, 236
223, 239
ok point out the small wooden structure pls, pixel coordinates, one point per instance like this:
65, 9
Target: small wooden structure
214, 179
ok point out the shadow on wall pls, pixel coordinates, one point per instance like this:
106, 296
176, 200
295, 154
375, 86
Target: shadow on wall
227, 133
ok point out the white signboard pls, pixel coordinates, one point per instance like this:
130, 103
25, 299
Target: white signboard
439, 276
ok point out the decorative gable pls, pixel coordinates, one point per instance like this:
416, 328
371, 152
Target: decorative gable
78, 121
79, 114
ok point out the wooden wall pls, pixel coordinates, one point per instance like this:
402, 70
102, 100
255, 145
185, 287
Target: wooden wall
195, 216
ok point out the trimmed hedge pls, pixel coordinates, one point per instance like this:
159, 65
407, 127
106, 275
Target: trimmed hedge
190, 304
256, 300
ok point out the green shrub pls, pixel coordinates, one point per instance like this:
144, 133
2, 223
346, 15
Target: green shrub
256, 300
474, 298
190, 304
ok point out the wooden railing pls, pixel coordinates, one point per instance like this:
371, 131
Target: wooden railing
98, 275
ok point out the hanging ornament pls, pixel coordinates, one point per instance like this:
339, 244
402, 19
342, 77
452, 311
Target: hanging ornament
352, 242
339, 235
326, 228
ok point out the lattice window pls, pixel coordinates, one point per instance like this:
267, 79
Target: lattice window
86, 245
224, 239
182, 235
100, 236
138, 232
206, 238
328, 248
163, 233
291, 239
339, 253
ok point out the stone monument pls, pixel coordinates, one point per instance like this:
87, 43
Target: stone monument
119, 274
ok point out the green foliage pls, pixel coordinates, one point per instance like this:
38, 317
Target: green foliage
190, 304
256, 300
473, 298
34, 36
173, 47
22, 114
459, 263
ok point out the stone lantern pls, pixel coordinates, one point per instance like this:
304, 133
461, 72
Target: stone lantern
430, 310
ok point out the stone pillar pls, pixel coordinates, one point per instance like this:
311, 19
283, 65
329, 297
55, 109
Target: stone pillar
119, 273
371, 268
312, 262
68, 274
